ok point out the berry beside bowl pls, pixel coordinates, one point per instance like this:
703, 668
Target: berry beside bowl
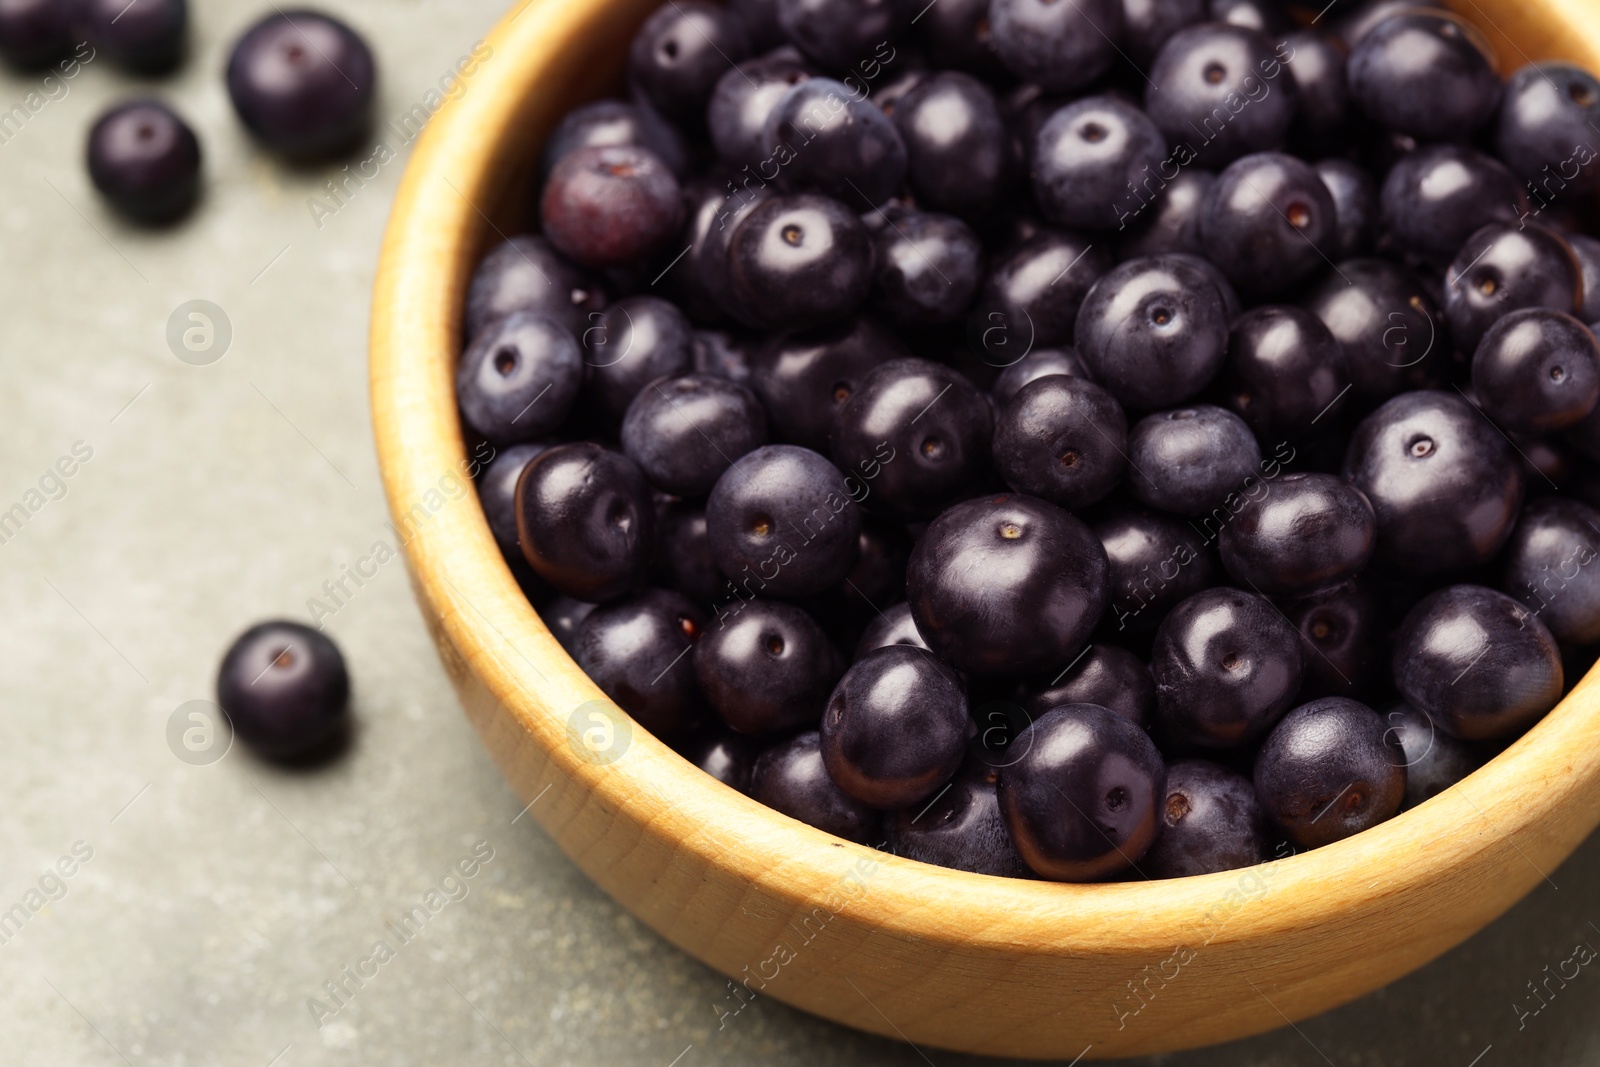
861, 935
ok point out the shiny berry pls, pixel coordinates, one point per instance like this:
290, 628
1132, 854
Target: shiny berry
1210, 820
635, 651
303, 83
145, 161
585, 520
961, 828
1266, 222
285, 689
955, 143
1307, 532
1537, 371
1330, 769
1549, 566
1192, 459
610, 205
1058, 46
684, 432
519, 378
1063, 440
799, 261
1503, 268
679, 53
767, 668
1089, 157
1426, 75
790, 778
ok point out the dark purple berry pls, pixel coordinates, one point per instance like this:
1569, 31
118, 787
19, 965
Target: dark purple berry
799, 261
519, 378
1083, 799
961, 828
680, 52
585, 520
1389, 328
285, 689
928, 270
767, 668
1222, 91
1062, 439
35, 33
614, 122
1444, 483
846, 35
1330, 769
894, 626
1106, 675
1267, 221
1007, 585
610, 205
1090, 157
1227, 665
805, 378
830, 138
737, 115
1153, 331
303, 83
895, 728
1156, 562
635, 651
783, 523
145, 160
1478, 663
1548, 566
631, 344
1306, 533
1285, 372
1032, 295
724, 755
1501, 269
525, 274
955, 143
1427, 75
1058, 46
144, 36
790, 778
1546, 125
1192, 459
1434, 760
924, 428
1210, 820
684, 432
1437, 196
1039, 363
497, 491
1537, 371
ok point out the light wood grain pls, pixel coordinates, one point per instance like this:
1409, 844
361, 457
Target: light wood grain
895, 947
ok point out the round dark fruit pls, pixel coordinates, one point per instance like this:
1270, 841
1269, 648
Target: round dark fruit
1191, 460
1537, 371
525, 274
955, 143
285, 689
1434, 761
1210, 820
1549, 567
585, 520
799, 261
1427, 75
1266, 222
303, 83
679, 53
519, 378
1060, 47
1062, 439
684, 432
1503, 268
1090, 157
790, 778
636, 651
767, 668
1285, 372
961, 828
1330, 769
1306, 533
610, 205
145, 161
1106, 675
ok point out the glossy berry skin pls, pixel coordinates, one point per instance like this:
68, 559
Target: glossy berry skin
713, 208
680, 52
1266, 222
524, 273
1156, 562
741, 102
1200, 71
1171, 221
1503, 268
497, 492
1060, 47
1438, 195
767, 668
1537, 371
1307, 533
804, 378
683, 553
928, 426
518, 378
1210, 820
1007, 585
303, 83
724, 755
928, 270
1285, 372
1445, 485
1151, 23
782, 522
585, 521
634, 650
1587, 249
684, 432
1082, 801
145, 161
1345, 633
614, 122
830, 138
1505, 659
285, 689
1382, 317
800, 261
1153, 331
893, 627
629, 345
1105, 675
1330, 769
1191, 459
610, 205
1355, 206
1318, 65
1548, 566
1063, 440
790, 778
146, 37
35, 33
961, 828
1089, 157
1546, 123
895, 728
1039, 363
1434, 760
1227, 665
955, 143
1424, 75
563, 616
1032, 295
843, 35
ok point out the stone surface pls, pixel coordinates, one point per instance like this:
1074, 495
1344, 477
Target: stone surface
220, 897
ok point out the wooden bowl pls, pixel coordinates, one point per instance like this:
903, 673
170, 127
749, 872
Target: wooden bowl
933, 956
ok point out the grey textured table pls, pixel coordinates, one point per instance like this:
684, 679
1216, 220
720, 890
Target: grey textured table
217, 900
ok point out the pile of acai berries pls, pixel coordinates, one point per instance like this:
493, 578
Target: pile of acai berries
1092, 439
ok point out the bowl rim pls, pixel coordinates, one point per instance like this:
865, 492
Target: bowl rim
468, 593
